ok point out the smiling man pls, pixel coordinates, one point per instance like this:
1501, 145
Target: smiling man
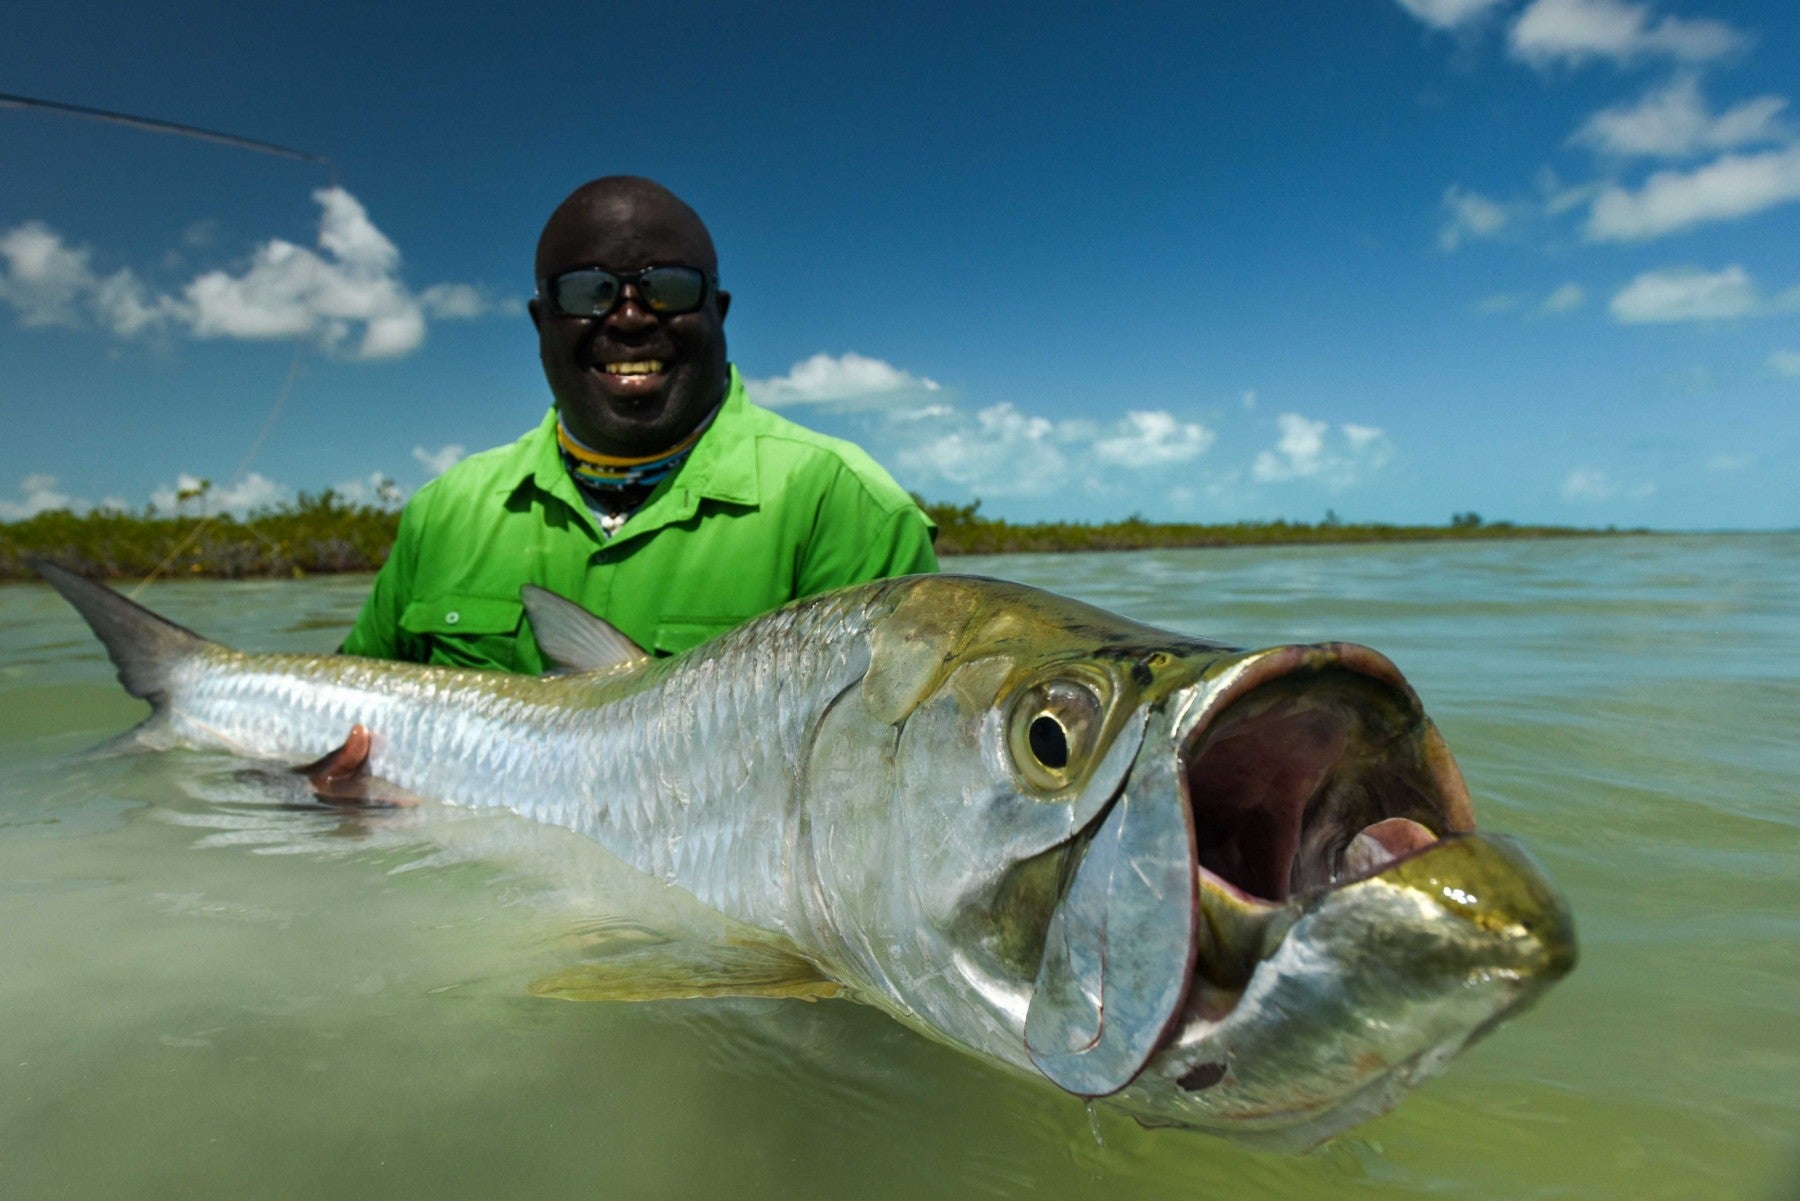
653, 493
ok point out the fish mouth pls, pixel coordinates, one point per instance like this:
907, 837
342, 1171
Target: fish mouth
1284, 904
1312, 768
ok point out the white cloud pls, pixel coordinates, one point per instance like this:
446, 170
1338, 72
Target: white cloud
191, 494
1004, 453
850, 376
1308, 451
1154, 438
931, 412
1249, 399
1591, 484
1728, 462
44, 279
463, 302
1785, 362
1674, 122
1001, 451
1734, 186
40, 495
375, 489
1574, 31
1471, 215
1686, 294
440, 460
1501, 302
1449, 14
1565, 299
347, 296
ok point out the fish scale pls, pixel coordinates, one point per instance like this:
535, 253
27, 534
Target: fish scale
643, 764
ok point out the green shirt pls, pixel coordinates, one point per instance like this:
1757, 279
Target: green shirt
763, 511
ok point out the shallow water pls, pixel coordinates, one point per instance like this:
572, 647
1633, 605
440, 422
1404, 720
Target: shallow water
208, 994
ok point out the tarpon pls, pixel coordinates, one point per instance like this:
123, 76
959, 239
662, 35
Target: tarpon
1231, 890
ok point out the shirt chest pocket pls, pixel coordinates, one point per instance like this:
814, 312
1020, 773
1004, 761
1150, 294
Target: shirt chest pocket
465, 631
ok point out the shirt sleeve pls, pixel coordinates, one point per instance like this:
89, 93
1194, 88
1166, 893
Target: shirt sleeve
858, 539
377, 633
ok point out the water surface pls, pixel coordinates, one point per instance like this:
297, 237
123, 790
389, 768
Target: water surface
209, 992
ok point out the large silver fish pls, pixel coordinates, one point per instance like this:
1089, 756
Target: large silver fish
1235, 891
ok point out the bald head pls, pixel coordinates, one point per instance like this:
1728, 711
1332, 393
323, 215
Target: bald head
631, 381
628, 209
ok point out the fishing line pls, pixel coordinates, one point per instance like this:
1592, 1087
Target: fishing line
156, 125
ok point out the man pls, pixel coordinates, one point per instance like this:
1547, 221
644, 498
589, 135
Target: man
654, 493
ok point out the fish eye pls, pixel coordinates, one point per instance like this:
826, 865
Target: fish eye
1053, 730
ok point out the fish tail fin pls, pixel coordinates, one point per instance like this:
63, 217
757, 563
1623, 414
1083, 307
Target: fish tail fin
144, 647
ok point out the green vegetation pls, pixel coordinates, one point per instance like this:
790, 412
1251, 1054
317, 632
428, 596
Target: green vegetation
316, 533
963, 531
325, 533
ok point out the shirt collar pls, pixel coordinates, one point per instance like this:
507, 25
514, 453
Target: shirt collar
722, 467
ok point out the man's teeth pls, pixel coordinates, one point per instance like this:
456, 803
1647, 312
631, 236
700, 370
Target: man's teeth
639, 367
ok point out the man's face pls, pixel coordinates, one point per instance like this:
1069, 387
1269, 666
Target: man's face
595, 365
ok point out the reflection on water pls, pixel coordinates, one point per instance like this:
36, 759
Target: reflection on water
214, 991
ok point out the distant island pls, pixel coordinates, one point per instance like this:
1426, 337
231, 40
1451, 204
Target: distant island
322, 533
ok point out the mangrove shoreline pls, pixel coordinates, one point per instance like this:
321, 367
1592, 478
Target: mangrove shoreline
322, 534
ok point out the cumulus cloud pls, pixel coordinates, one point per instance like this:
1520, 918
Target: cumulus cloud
1308, 450
1785, 362
931, 412
1565, 299
347, 295
1449, 14
1592, 484
440, 460
375, 489
1576, 31
38, 494
1001, 451
1692, 294
1674, 122
1154, 438
191, 494
848, 377
1730, 187
1469, 215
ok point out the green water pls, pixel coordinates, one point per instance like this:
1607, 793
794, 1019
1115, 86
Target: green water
204, 993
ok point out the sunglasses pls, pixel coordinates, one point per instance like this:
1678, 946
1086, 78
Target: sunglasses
591, 292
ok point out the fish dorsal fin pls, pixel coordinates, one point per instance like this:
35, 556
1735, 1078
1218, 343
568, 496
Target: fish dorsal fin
574, 640
144, 647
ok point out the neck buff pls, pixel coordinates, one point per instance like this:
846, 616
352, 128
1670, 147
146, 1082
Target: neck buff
592, 469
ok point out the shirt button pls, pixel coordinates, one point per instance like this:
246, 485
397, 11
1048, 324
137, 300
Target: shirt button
452, 617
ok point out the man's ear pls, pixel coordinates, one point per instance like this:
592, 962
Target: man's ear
537, 314
723, 300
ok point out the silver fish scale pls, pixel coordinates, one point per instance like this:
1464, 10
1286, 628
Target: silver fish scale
688, 769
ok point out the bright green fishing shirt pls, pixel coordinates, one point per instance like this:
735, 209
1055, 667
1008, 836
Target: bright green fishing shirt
762, 512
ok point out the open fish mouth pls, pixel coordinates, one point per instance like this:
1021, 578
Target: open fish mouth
1313, 768
1265, 795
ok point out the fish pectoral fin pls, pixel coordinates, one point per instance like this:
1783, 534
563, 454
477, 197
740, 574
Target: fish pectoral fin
342, 777
684, 971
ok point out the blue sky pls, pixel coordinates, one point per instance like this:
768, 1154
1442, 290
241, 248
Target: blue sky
1538, 259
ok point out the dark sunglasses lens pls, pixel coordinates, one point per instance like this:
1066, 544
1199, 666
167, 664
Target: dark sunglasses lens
672, 289
585, 293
